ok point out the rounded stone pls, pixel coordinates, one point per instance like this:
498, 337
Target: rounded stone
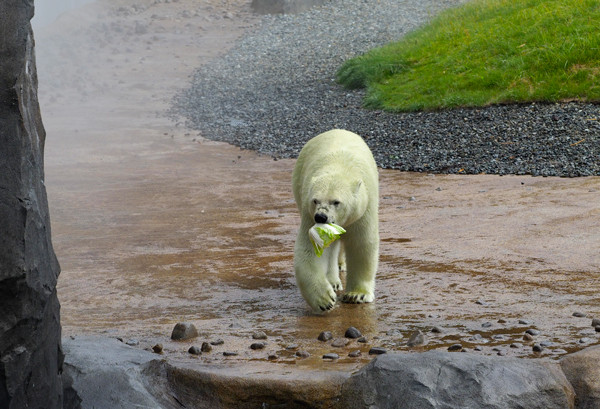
259, 335
302, 354
257, 345
533, 331
194, 350
355, 354
340, 342
377, 351
158, 348
596, 322
216, 342
331, 356
537, 348
183, 331
325, 336
229, 353
206, 347
352, 333
579, 314
455, 347
417, 338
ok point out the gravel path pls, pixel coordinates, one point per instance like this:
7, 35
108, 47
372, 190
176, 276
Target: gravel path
276, 89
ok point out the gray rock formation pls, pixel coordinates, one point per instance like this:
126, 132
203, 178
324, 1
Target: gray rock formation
455, 380
30, 348
582, 369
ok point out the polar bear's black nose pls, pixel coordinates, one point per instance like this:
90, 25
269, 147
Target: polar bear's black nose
320, 218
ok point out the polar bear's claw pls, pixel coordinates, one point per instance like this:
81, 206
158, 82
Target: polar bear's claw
357, 298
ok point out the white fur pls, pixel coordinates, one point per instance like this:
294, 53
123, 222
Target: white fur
337, 166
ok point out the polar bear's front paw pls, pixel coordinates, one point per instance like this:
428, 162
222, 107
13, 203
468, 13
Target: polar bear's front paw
357, 297
325, 301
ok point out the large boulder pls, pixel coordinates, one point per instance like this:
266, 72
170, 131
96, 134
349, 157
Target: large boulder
30, 348
448, 380
582, 369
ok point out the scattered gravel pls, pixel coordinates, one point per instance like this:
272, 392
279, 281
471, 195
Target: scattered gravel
276, 89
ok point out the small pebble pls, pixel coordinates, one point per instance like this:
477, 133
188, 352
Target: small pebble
216, 342
597, 328
595, 322
355, 354
229, 353
158, 348
194, 350
524, 322
352, 333
206, 347
340, 342
133, 342
559, 351
486, 324
302, 354
272, 357
475, 338
501, 353
362, 340
183, 331
416, 338
455, 347
546, 344
516, 345
501, 321
532, 331
584, 340
478, 348
259, 335
325, 336
527, 337
377, 351
499, 337
437, 330
482, 302
257, 345
579, 314
537, 348
331, 356
292, 346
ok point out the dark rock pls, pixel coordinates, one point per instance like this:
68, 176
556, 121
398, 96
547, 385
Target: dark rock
259, 335
582, 370
528, 337
230, 353
272, 357
158, 348
217, 342
355, 354
302, 354
331, 356
31, 356
258, 345
352, 333
537, 348
486, 324
183, 331
437, 330
194, 350
436, 379
533, 331
377, 351
516, 345
362, 340
579, 314
524, 322
455, 347
595, 322
416, 339
206, 347
325, 336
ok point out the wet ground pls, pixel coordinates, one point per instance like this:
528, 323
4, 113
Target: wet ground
154, 225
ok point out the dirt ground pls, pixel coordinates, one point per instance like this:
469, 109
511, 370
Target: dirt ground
154, 225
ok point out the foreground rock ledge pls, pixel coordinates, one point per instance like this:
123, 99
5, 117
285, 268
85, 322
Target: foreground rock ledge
108, 373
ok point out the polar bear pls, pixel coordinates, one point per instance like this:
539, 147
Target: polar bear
335, 180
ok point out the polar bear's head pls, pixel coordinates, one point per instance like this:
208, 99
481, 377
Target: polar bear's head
337, 200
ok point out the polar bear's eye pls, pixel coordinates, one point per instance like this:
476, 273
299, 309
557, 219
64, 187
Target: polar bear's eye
336, 202
315, 201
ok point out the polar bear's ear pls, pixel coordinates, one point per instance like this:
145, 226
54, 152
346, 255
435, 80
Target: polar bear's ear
357, 186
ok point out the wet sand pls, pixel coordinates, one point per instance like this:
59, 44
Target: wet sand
154, 225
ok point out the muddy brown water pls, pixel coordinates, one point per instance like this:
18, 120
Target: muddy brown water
154, 225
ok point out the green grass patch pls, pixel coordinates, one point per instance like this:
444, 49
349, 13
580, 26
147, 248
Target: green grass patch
486, 52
